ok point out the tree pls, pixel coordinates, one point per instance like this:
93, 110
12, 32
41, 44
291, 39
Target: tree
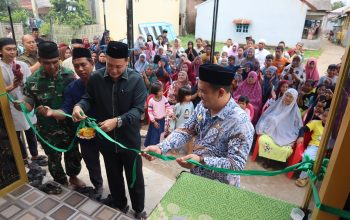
338, 4
19, 15
70, 12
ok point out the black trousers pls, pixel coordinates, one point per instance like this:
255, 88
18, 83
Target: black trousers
91, 155
115, 162
32, 143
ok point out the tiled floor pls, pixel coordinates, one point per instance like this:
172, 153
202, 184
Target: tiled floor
29, 203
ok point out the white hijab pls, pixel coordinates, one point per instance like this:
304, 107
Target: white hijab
281, 122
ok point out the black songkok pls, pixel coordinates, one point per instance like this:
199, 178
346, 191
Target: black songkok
48, 50
215, 74
117, 50
81, 52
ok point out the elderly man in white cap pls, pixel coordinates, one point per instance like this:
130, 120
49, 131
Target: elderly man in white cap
261, 52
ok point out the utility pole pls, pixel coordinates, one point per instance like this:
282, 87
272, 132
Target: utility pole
213, 33
130, 30
104, 14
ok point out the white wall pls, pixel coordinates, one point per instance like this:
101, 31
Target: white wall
273, 20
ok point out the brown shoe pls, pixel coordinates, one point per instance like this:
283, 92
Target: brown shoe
75, 181
301, 182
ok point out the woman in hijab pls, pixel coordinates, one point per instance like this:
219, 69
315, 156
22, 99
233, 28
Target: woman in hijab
195, 65
153, 44
64, 52
186, 66
101, 60
311, 70
279, 126
163, 70
86, 43
150, 52
270, 82
234, 50
248, 67
251, 58
141, 64
190, 51
161, 51
181, 81
251, 88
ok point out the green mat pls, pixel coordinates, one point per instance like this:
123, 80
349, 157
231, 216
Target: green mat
197, 198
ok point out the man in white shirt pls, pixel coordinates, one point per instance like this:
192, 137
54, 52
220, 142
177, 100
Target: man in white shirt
228, 46
14, 74
68, 63
261, 52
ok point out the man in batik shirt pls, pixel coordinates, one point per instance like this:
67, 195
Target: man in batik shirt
222, 131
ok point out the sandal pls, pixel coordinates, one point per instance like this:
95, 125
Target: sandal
40, 160
51, 188
301, 182
141, 215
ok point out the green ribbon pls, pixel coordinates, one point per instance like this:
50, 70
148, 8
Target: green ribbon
306, 165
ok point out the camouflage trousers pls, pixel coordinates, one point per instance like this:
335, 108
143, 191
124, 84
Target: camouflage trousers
72, 163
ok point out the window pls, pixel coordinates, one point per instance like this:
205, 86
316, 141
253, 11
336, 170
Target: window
245, 28
242, 28
239, 28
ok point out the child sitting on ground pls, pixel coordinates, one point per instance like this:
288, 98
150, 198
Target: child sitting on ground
243, 102
316, 127
158, 109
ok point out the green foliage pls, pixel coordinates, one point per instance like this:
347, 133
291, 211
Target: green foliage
45, 28
70, 12
191, 37
14, 4
337, 4
19, 15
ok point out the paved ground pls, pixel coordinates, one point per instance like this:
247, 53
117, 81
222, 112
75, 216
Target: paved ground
331, 54
160, 175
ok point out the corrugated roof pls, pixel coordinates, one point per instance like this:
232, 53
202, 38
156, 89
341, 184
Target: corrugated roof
321, 5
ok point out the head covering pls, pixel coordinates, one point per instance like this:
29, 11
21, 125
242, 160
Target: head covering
96, 37
48, 50
281, 122
117, 50
253, 91
312, 73
81, 52
191, 76
62, 45
233, 52
98, 64
195, 66
215, 74
6, 41
262, 41
141, 66
35, 29
269, 83
76, 41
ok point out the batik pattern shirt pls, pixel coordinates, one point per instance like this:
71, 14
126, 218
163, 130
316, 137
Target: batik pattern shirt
224, 140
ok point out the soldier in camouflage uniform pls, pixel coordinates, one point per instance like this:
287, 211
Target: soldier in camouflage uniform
45, 88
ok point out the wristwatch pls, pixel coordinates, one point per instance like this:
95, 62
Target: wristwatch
119, 122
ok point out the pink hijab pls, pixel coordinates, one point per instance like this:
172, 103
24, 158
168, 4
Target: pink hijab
312, 73
253, 91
